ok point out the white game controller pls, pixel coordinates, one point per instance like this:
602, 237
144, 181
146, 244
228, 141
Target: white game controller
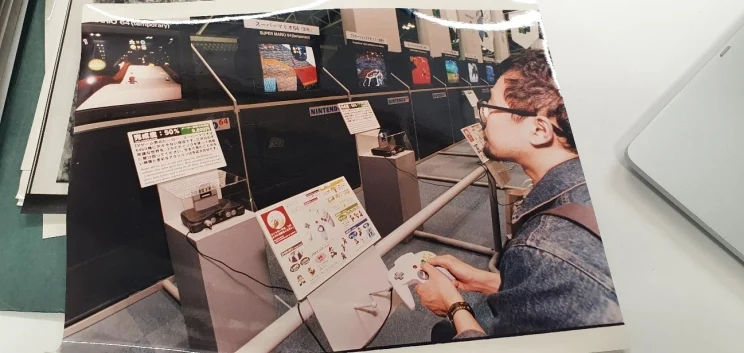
407, 271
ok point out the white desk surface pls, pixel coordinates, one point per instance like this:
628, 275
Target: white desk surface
678, 290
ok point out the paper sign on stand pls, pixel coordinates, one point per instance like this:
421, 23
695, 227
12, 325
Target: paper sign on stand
476, 138
168, 153
472, 98
358, 116
316, 233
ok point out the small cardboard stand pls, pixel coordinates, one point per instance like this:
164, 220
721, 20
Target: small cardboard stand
223, 310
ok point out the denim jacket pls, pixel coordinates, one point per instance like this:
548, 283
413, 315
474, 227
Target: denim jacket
554, 273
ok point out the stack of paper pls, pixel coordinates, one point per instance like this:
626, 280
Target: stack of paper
12, 13
44, 179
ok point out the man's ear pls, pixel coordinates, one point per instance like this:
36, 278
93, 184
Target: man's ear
542, 132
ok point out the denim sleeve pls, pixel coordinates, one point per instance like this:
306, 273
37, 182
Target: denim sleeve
541, 292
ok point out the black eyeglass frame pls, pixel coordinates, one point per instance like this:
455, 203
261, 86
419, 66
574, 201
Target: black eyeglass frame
519, 112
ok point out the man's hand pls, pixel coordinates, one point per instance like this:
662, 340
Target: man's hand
438, 293
468, 278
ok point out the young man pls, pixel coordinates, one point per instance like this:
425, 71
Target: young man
553, 273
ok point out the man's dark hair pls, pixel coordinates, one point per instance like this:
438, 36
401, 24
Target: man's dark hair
530, 86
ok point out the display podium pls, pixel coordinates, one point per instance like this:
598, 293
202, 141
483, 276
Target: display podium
223, 310
352, 306
391, 190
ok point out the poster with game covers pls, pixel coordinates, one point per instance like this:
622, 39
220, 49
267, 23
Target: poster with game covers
316, 233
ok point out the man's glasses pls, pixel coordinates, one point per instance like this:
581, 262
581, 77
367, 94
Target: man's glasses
486, 110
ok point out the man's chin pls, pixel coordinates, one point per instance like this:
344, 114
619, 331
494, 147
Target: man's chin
490, 155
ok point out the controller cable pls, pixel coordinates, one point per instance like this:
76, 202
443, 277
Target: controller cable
390, 311
264, 285
492, 179
299, 311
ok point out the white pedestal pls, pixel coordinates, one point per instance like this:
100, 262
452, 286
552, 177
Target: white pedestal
391, 190
223, 309
362, 284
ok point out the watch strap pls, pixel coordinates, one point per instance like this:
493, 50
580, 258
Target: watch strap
454, 308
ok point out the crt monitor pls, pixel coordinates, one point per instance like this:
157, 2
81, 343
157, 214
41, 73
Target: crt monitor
288, 67
414, 65
371, 68
490, 73
446, 68
453, 71
278, 67
363, 67
473, 73
129, 71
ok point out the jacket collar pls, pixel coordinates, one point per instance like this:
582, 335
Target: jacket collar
557, 181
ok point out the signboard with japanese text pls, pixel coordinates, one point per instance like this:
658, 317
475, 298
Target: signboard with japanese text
171, 152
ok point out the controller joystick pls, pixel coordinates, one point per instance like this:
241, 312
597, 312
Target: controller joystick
407, 270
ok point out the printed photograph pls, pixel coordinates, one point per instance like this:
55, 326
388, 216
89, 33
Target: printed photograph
329, 242
371, 69
288, 68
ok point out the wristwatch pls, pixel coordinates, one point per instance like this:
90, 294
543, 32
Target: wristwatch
457, 307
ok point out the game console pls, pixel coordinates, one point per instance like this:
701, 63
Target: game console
407, 271
209, 210
388, 145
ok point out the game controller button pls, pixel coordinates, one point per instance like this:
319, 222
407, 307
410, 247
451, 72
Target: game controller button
423, 275
398, 276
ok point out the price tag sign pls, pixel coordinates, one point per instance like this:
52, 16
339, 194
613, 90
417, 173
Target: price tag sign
172, 152
472, 98
221, 124
358, 117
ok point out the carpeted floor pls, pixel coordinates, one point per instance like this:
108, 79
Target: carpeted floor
157, 322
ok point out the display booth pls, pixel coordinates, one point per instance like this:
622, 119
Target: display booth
296, 144
119, 245
365, 68
433, 127
212, 299
488, 78
446, 69
262, 61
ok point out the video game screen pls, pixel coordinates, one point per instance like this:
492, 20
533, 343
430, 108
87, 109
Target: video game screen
453, 72
288, 68
421, 72
490, 75
473, 72
122, 69
371, 69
